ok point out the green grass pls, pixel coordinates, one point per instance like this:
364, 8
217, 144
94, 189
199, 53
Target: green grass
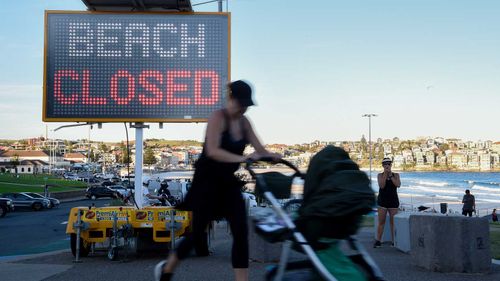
36, 183
495, 240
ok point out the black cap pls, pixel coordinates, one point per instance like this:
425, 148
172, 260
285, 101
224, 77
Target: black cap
242, 92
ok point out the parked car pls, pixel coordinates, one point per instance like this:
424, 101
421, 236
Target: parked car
122, 190
107, 183
95, 192
70, 176
25, 201
6, 205
54, 202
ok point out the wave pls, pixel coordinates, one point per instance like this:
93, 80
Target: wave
441, 184
482, 182
484, 188
432, 190
456, 193
488, 200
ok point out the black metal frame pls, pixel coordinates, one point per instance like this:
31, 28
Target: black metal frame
139, 5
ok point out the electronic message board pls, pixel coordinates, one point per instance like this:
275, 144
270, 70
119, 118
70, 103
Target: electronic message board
134, 67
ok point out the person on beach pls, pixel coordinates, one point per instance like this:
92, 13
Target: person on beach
216, 192
469, 204
388, 201
494, 217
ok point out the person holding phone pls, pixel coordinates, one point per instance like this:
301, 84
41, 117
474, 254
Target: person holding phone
388, 201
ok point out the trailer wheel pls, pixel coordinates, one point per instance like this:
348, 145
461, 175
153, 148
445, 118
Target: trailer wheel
112, 253
84, 246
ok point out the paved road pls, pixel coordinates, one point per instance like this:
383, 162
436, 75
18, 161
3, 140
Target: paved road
395, 265
28, 232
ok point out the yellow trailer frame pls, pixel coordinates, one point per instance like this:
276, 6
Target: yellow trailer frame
99, 223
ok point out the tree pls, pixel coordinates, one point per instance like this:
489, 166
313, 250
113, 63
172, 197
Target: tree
93, 156
444, 147
125, 156
103, 147
149, 157
69, 146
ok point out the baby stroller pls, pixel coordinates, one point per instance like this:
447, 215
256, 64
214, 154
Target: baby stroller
336, 195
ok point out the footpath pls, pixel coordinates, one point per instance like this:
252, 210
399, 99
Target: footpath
59, 266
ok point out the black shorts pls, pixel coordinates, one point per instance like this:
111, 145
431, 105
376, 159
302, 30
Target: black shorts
388, 203
467, 213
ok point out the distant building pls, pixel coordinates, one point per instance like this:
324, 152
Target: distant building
76, 157
419, 159
24, 167
473, 162
430, 158
441, 160
398, 161
10, 155
485, 161
458, 160
495, 147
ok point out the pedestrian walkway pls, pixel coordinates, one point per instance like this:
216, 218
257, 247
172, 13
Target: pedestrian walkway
60, 267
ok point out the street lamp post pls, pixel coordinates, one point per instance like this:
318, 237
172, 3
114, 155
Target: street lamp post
370, 115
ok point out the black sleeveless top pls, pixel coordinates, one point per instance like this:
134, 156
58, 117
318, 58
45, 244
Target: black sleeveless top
227, 143
388, 196
214, 182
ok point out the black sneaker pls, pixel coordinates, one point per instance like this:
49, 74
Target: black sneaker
377, 244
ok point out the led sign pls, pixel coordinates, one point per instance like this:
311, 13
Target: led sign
149, 67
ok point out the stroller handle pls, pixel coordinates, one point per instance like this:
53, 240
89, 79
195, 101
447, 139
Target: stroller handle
249, 162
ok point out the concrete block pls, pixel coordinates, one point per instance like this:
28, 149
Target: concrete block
402, 231
386, 235
450, 243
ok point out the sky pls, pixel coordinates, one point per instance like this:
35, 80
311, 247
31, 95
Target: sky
425, 67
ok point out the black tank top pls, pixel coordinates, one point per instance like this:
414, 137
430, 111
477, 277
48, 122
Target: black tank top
214, 182
388, 196
227, 143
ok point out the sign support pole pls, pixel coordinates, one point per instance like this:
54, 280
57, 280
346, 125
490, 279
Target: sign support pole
139, 147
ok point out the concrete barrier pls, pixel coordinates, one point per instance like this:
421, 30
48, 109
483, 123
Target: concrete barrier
386, 235
450, 243
402, 231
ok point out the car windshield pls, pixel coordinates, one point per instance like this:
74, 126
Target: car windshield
35, 195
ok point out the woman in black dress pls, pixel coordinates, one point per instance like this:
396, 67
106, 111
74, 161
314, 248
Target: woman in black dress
388, 201
216, 191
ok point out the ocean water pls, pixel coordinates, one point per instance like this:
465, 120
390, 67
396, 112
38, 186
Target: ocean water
431, 188
421, 188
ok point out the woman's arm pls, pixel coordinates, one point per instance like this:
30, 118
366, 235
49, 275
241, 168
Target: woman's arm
396, 180
215, 127
381, 180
